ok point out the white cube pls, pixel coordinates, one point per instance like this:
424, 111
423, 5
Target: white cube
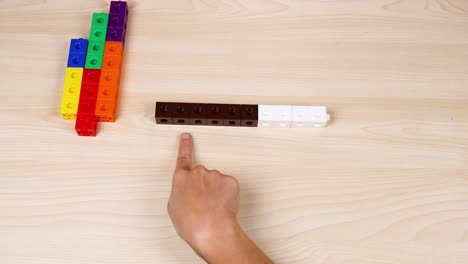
274, 115
309, 116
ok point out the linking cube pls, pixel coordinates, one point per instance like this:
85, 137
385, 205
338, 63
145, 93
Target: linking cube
110, 81
77, 53
280, 116
97, 40
69, 107
198, 114
274, 115
73, 75
309, 116
205, 114
118, 7
92, 78
118, 16
86, 125
71, 93
105, 110
249, 115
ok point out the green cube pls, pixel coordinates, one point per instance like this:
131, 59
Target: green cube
99, 27
98, 34
96, 46
95, 54
93, 60
100, 20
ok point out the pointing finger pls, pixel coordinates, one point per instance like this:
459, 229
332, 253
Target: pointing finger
184, 157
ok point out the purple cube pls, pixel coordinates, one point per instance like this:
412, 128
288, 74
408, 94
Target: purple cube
115, 34
118, 7
117, 21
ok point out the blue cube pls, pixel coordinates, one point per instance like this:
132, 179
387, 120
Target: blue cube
79, 45
76, 60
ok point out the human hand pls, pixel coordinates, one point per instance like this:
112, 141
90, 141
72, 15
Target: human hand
203, 207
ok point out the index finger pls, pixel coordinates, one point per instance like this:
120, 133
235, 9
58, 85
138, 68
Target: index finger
184, 157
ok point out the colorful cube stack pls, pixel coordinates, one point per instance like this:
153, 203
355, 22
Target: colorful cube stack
93, 72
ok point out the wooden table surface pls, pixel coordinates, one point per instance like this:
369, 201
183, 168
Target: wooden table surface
385, 182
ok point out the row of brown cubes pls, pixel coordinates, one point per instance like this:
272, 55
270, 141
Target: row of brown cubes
206, 114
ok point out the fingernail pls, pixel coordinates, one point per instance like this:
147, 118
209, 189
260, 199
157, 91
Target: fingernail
185, 136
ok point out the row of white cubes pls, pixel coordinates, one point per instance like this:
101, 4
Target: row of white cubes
292, 116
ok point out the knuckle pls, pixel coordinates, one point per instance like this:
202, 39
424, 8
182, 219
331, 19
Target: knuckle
183, 158
200, 168
233, 182
215, 172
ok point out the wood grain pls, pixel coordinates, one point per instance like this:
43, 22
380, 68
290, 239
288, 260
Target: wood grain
386, 182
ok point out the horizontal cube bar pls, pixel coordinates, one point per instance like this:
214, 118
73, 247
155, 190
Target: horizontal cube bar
205, 114
284, 116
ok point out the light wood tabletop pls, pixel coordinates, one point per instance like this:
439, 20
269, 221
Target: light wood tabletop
385, 182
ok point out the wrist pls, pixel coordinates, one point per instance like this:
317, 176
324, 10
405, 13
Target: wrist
217, 238
230, 245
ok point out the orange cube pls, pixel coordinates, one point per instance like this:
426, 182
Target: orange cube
112, 62
113, 48
110, 77
108, 92
105, 110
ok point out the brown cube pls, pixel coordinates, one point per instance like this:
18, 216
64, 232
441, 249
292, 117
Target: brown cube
231, 114
249, 115
164, 112
214, 115
181, 114
198, 114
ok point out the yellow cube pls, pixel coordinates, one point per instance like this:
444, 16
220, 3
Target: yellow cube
71, 93
69, 107
74, 76
71, 89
